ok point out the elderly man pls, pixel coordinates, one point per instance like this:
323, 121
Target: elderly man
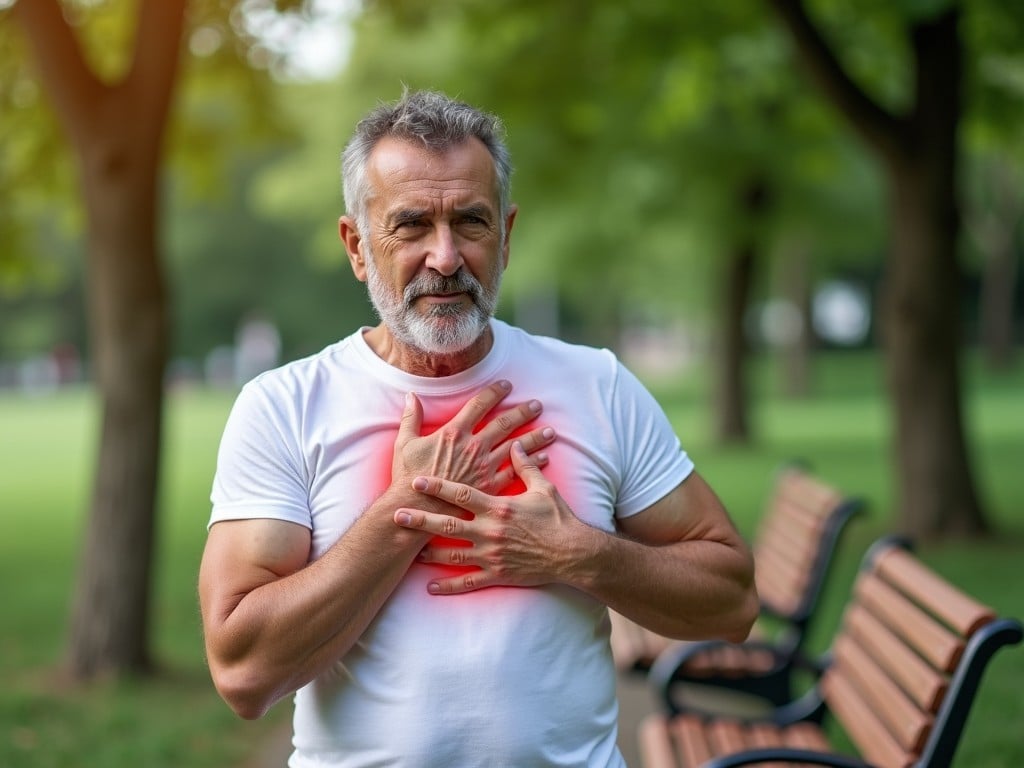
424, 558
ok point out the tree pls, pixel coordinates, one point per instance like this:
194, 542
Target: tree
115, 116
918, 148
117, 133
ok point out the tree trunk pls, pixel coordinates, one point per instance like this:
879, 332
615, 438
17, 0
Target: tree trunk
733, 424
921, 327
921, 315
935, 489
128, 334
732, 403
116, 131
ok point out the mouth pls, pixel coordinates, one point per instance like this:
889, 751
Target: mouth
443, 298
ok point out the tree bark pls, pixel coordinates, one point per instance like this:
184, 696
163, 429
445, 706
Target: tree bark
116, 131
935, 489
732, 403
733, 423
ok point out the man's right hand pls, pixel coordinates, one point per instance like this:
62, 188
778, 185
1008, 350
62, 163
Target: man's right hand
462, 450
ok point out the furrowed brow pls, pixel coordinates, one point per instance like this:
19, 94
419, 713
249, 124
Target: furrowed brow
405, 215
479, 210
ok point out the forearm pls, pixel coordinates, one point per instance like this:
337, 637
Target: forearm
273, 639
690, 590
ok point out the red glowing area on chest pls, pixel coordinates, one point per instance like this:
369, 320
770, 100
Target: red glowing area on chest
512, 488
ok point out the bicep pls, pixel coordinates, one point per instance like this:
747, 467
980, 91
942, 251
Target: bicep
243, 555
690, 512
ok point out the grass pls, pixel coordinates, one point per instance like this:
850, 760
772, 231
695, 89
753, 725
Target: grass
46, 451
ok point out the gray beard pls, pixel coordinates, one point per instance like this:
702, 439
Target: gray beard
445, 328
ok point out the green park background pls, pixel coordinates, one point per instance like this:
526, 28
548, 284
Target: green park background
690, 197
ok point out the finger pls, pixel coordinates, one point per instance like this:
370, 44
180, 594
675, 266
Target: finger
482, 403
504, 476
412, 419
536, 439
457, 585
457, 494
461, 556
443, 525
526, 467
507, 422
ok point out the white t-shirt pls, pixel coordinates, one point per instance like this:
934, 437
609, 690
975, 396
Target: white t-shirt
499, 677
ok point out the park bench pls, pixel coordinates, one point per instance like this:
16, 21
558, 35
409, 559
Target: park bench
793, 551
902, 674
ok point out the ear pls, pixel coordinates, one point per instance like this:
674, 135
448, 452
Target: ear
509, 220
349, 234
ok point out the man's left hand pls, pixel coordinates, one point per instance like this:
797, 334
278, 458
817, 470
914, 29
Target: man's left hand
525, 540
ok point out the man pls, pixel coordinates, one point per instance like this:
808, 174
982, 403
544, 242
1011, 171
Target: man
424, 563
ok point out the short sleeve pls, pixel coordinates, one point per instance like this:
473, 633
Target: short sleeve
653, 460
260, 470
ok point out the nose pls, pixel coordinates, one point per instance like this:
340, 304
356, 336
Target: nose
444, 256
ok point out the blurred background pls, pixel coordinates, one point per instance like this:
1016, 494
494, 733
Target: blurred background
799, 222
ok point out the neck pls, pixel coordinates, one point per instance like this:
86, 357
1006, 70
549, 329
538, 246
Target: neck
420, 363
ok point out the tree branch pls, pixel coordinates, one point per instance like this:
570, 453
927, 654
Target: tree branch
880, 128
67, 77
154, 67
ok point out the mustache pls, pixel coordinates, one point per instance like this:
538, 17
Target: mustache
434, 283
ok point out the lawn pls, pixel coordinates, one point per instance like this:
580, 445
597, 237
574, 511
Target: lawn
46, 448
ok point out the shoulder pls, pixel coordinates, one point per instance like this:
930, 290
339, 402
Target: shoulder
568, 356
303, 374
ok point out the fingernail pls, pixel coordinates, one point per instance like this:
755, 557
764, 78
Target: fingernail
420, 483
433, 588
548, 433
535, 406
542, 458
518, 447
403, 518
505, 384
408, 399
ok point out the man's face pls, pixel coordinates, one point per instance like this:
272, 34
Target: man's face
433, 254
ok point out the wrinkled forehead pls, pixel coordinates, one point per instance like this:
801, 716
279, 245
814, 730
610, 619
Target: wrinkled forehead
398, 167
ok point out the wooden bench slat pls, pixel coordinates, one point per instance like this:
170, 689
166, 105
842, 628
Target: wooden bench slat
917, 679
874, 742
655, 743
725, 736
765, 735
928, 637
958, 610
730, 660
805, 486
779, 583
790, 534
806, 736
693, 747
900, 716
793, 513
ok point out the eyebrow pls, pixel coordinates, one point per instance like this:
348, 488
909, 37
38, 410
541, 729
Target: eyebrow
406, 214
412, 214
482, 211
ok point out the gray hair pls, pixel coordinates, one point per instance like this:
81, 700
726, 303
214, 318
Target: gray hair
433, 119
